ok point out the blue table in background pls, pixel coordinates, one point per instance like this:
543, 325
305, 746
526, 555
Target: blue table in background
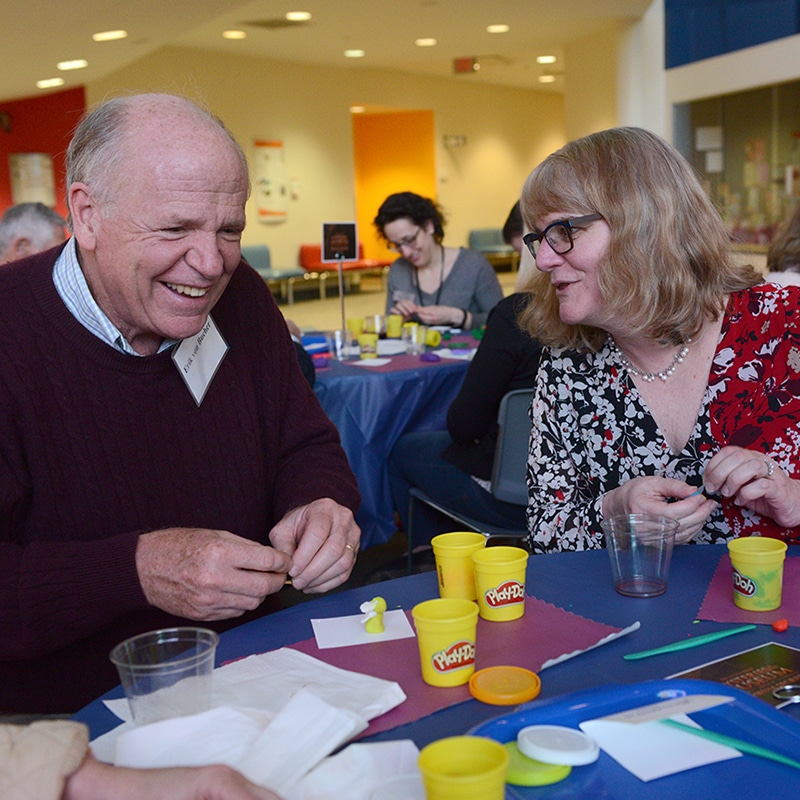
372, 408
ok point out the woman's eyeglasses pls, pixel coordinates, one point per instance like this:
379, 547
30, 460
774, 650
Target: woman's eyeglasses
558, 234
408, 241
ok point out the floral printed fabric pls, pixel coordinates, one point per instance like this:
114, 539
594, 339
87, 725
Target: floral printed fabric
591, 431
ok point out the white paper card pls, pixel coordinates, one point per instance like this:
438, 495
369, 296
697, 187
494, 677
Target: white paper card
198, 358
346, 631
652, 750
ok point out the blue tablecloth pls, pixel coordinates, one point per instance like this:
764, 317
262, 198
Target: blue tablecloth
577, 582
372, 408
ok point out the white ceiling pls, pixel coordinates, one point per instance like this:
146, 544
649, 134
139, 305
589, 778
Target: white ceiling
36, 34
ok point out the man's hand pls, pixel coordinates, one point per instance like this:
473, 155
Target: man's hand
96, 781
207, 575
322, 539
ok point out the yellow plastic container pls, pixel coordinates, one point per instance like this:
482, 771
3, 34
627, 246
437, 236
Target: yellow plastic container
394, 326
433, 338
464, 768
500, 582
453, 553
356, 326
446, 637
368, 345
757, 572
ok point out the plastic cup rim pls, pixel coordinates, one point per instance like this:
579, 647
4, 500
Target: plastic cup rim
209, 638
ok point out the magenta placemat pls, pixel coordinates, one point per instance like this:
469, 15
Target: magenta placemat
544, 632
718, 603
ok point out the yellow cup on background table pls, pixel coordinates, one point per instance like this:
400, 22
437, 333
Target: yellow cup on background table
464, 768
446, 630
368, 345
453, 552
500, 582
433, 338
356, 326
757, 563
394, 326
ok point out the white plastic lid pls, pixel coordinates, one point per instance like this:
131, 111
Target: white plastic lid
555, 744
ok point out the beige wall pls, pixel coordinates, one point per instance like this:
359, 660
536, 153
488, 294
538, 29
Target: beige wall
508, 132
590, 96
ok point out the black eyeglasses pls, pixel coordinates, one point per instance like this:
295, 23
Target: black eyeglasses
558, 234
407, 242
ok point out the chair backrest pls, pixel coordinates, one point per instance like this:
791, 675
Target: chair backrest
511, 453
257, 256
488, 240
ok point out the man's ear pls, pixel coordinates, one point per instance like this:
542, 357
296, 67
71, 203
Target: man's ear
21, 246
84, 213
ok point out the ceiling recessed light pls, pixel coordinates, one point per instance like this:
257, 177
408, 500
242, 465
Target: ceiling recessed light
547, 79
425, 42
497, 28
298, 16
354, 54
234, 35
77, 63
545, 59
50, 83
109, 36
357, 109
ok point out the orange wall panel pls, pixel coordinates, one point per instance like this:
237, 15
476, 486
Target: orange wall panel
393, 152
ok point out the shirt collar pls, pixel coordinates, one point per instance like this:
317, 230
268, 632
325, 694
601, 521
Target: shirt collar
73, 289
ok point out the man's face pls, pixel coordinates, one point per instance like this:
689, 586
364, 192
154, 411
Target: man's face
161, 252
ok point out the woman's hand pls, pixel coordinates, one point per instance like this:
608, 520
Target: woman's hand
668, 497
406, 308
755, 482
441, 315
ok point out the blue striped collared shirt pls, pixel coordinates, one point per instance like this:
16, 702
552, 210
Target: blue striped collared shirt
74, 291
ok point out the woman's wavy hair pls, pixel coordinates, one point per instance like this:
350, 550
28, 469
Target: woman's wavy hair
668, 267
407, 205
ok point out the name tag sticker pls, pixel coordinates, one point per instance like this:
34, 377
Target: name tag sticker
198, 358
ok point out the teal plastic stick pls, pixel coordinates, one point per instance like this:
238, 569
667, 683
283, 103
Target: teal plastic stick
684, 644
736, 744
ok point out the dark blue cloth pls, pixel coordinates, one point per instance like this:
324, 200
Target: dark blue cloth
416, 461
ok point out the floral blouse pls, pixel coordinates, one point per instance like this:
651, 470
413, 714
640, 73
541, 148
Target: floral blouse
592, 432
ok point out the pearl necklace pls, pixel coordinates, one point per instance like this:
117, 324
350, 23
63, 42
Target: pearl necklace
649, 377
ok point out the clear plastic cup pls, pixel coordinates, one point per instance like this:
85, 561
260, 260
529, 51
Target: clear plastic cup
640, 549
167, 673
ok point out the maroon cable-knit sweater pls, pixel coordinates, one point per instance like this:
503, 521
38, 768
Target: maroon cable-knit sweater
97, 446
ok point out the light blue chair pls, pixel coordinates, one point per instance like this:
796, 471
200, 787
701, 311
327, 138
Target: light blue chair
259, 258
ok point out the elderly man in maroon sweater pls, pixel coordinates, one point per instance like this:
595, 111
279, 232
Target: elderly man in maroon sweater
162, 458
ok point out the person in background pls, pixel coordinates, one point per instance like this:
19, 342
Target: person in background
514, 228
29, 228
303, 358
670, 375
783, 257
431, 283
49, 760
454, 467
163, 461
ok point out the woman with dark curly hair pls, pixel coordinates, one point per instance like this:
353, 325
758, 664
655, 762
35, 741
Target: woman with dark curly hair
670, 375
431, 283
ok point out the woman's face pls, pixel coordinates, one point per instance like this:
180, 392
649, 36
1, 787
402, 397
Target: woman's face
574, 274
414, 242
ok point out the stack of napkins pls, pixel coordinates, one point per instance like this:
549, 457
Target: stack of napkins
275, 716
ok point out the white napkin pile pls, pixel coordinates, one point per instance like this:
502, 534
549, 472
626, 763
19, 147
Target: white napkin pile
274, 717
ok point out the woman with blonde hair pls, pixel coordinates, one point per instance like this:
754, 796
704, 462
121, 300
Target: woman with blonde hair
670, 376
